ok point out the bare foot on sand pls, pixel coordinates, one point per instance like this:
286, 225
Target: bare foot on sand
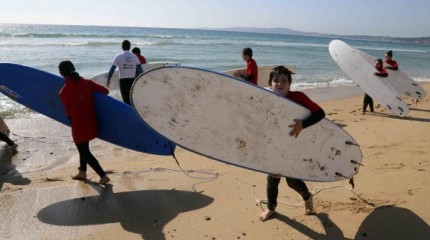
80, 176
266, 215
309, 206
105, 179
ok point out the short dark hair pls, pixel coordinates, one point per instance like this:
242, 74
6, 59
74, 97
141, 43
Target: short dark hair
389, 53
136, 50
279, 70
126, 45
247, 51
379, 61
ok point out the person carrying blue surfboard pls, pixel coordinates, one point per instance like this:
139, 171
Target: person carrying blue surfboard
280, 81
77, 98
128, 65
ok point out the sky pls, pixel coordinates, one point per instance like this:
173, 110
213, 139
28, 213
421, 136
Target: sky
395, 18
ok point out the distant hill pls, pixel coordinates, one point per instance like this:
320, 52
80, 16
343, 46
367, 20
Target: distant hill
287, 31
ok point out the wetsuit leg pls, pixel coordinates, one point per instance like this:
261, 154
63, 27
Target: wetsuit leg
272, 192
125, 87
87, 157
300, 187
6, 139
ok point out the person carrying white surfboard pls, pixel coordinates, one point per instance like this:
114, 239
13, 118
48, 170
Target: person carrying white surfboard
77, 98
368, 101
249, 74
389, 62
128, 64
280, 81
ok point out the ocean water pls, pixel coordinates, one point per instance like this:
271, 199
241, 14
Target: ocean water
92, 49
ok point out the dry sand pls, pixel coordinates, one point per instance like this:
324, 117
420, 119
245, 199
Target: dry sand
150, 198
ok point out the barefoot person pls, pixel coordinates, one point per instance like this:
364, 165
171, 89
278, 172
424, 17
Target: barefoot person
77, 98
280, 81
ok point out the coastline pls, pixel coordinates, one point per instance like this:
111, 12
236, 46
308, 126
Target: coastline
150, 197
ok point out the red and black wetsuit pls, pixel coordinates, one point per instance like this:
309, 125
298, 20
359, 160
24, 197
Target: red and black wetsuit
368, 101
77, 98
317, 113
392, 64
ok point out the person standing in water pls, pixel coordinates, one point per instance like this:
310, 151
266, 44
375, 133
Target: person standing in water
77, 98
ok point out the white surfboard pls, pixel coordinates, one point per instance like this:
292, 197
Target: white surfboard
238, 123
354, 65
263, 73
101, 78
404, 84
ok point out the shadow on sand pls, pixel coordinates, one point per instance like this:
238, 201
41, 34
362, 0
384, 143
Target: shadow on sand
332, 231
393, 223
144, 212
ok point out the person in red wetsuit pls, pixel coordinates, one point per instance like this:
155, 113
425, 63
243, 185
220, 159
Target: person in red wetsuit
368, 101
280, 81
77, 98
389, 62
136, 52
250, 74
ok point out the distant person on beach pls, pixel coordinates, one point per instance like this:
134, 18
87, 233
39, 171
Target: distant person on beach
389, 62
280, 81
368, 101
136, 51
249, 74
77, 98
128, 65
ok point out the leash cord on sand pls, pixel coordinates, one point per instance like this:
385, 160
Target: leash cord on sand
264, 201
36, 139
186, 172
213, 178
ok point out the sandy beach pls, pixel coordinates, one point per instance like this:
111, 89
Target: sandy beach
149, 196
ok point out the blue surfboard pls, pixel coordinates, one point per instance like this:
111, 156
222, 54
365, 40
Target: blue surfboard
117, 122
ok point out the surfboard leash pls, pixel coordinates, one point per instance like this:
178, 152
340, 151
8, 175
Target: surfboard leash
208, 179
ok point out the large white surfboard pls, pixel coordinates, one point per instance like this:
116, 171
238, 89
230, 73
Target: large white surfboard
238, 123
101, 78
353, 64
263, 73
404, 84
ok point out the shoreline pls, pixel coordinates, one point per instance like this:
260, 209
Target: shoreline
150, 198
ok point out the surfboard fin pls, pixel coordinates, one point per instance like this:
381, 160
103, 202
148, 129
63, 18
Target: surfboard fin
355, 162
340, 175
351, 181
351, 143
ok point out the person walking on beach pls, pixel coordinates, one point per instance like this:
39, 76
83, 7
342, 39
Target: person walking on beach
77, 98
368, 101
128, 65
136, 51
389, 62
249, 74
280, 81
